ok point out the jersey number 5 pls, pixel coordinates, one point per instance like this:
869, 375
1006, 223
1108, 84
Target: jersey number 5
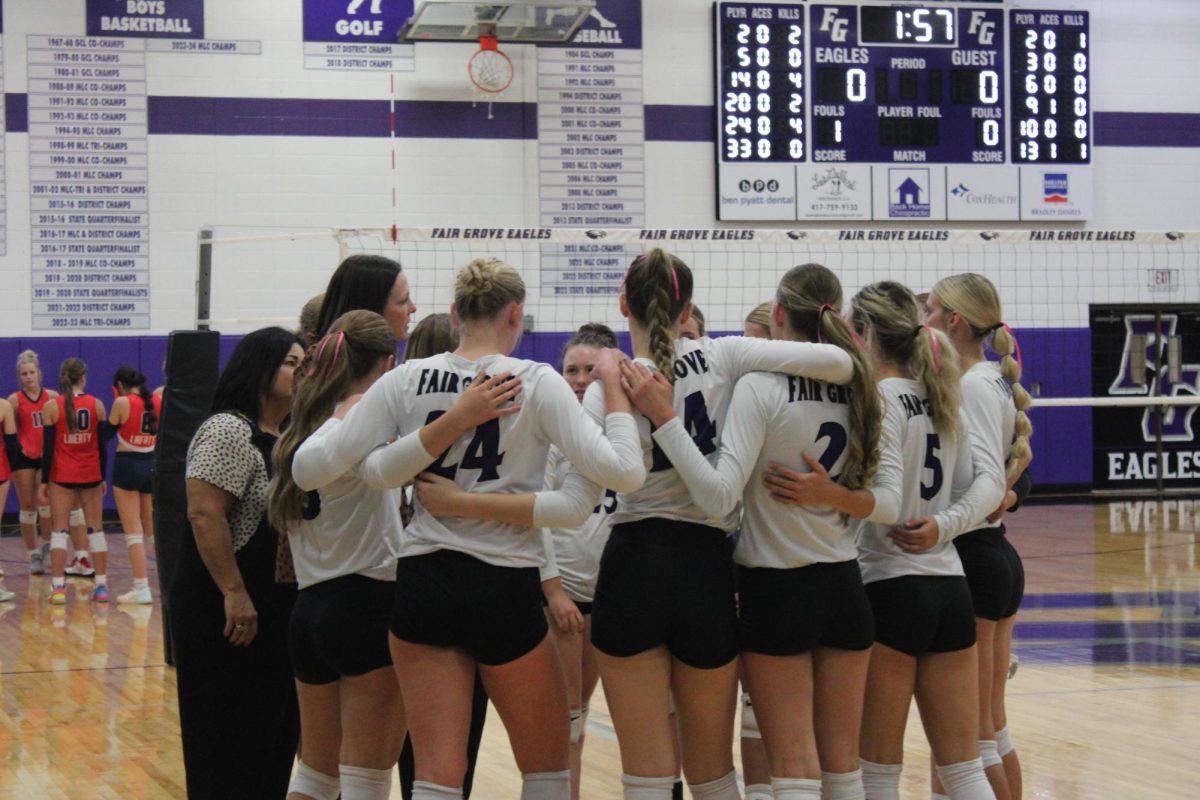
697, 423
934, 464
483, 452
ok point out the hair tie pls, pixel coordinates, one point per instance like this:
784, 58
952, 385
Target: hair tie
935, 347
341, 336
821, 316
996, 327
337, 348
1016, 353
675, 278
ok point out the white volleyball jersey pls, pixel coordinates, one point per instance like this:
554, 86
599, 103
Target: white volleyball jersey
577, 550
356, 529
934, 475
706, 371
772, 419
506, 455
988, 401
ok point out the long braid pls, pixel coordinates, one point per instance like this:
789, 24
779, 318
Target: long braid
658, 287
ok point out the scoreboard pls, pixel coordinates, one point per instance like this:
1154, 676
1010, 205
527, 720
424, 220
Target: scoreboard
905, 111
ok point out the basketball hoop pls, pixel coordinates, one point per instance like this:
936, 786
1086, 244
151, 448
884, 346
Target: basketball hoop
490, 69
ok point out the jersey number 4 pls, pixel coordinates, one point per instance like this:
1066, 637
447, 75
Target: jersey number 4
695, 422
483, 452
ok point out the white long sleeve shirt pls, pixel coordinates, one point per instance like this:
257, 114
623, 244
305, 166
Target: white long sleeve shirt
931, 473
706, 371
507, 455
988, 402
577, 549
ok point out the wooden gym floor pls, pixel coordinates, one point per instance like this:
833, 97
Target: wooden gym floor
1105, 703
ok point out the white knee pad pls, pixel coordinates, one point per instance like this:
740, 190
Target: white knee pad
29, 517
881, 781
724, 788
1004, 743
364, 783
135, 538
546, 785
97, 543
59, 540
578, 724
423, 790
44, 512
965, 781
317, 785
77, 519
990, 753
749, 721
639, 788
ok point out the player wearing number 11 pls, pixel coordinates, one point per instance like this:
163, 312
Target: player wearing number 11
468, 592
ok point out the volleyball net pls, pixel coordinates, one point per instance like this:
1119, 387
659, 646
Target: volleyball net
1106, 320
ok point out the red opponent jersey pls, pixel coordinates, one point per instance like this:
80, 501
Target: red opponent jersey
29, 422
134, 433
77, 453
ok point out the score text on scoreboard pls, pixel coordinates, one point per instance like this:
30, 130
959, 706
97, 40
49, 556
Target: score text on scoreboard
901, 111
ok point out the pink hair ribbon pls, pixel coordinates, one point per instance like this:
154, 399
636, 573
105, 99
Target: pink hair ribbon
675, 278
1016, 344
337, 348
341, 337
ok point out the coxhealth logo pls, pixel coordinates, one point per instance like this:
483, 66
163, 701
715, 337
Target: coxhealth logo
908, 193
964, 193
1054, 187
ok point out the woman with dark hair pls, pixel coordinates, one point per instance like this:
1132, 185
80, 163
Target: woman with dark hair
371, 283
234, 586
135, 415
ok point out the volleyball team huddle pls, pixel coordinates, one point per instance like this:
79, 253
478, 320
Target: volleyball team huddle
821, 511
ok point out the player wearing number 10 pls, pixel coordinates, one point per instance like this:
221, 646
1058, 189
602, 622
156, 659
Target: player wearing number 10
468, 592
804, 619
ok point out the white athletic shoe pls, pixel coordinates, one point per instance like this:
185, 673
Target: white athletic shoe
6, 595
140, 597
1013, 663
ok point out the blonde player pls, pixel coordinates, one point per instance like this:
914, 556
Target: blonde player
805, 623
758, 322
924, 632
664, 622
967, 307
468, 593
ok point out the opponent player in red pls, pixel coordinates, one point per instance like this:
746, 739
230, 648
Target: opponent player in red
135, 416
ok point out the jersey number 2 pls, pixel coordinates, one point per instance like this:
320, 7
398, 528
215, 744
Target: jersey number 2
695, 422
483, 452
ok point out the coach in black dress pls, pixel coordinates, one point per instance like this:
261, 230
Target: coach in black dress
233, 590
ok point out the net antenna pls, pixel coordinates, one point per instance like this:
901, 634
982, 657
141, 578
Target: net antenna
513, 22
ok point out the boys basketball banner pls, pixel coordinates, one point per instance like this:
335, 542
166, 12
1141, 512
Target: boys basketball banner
1143, 351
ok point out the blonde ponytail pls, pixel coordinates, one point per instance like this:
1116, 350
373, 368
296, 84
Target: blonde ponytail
658, 287
975, 298
810, 295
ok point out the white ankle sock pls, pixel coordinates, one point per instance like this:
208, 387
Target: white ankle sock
311, 783
842, 785
881, 781
724, 788
637, 787
759, 791
796, 788
966, 781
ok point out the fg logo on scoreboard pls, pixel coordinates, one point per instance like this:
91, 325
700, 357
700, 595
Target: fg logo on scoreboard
833, 24
985, 29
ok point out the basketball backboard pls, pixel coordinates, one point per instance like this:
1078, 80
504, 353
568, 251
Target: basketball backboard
516, 21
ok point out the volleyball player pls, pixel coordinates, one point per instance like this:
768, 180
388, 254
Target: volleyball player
663, 620
925, 633
694, 327
135, 415
8, 425
468, 593
758, 322
344, 542
805, 623
73, 470
29, 401
967, 307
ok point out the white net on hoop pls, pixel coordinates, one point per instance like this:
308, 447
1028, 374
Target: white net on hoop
491, 71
